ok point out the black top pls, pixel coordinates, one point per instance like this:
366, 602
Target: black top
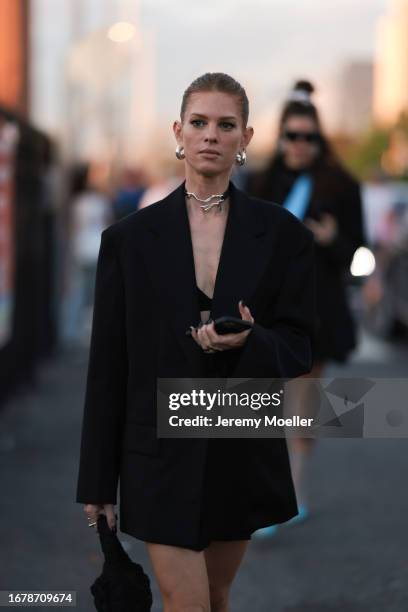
218, 365
204, 301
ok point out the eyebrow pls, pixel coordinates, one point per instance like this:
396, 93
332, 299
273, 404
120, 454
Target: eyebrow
220, 118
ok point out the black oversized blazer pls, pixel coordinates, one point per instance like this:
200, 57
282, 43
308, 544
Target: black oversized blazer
145, 299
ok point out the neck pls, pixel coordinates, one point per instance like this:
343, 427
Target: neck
204, 186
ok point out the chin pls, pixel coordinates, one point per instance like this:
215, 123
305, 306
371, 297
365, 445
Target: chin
209, 172
210, 169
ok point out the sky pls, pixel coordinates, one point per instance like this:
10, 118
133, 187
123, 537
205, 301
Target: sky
265, 44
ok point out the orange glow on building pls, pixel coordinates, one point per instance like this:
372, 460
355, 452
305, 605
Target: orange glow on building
391, 66
13, 54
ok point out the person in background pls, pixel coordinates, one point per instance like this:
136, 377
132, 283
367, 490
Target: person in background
131, 189
305, 176
90, 214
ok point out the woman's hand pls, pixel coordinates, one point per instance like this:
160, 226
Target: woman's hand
211, 342
324, 231
93, 510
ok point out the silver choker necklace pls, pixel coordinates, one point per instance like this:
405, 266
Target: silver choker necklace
206, 202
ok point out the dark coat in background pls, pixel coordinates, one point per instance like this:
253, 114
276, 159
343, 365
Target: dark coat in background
145, 299
336, 192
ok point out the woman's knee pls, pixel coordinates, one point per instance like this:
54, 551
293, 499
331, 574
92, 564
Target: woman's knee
175, 605
182, 578
183, 601
186, 596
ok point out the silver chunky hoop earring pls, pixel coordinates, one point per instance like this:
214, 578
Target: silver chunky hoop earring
180, 152
240, 158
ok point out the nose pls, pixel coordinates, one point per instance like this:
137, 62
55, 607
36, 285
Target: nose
211, 133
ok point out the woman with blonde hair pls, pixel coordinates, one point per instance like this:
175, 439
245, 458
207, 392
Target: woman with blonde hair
204, 251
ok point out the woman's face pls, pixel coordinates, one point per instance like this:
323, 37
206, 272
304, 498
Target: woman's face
212, 132
299, 141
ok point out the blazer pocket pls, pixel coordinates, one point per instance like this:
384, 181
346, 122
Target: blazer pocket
141, 439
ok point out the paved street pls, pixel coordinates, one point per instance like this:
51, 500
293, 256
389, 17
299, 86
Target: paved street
351, 555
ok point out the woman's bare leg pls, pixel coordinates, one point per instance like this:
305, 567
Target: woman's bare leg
182, 577
302, 448
223, 560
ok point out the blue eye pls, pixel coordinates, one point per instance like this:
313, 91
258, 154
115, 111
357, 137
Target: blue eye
227, 125
197, 122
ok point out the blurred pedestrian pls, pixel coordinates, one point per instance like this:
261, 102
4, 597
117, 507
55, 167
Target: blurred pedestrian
90, 213
130, 192
306, 177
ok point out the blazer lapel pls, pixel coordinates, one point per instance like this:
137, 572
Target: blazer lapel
242, 262
244, 256
173, 273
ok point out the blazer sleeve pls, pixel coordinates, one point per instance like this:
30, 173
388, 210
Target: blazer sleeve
284, 348
105, 395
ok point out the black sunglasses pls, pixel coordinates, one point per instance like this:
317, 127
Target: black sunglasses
299, 136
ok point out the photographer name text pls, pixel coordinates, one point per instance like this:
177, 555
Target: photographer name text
266, 421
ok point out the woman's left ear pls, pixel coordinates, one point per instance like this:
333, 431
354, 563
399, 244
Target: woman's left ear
249, 132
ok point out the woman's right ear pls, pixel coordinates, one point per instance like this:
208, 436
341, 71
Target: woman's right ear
177, 129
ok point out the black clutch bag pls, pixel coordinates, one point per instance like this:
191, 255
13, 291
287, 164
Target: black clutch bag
123, 586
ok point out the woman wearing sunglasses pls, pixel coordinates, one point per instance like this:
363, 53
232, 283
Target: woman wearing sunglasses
305, 177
